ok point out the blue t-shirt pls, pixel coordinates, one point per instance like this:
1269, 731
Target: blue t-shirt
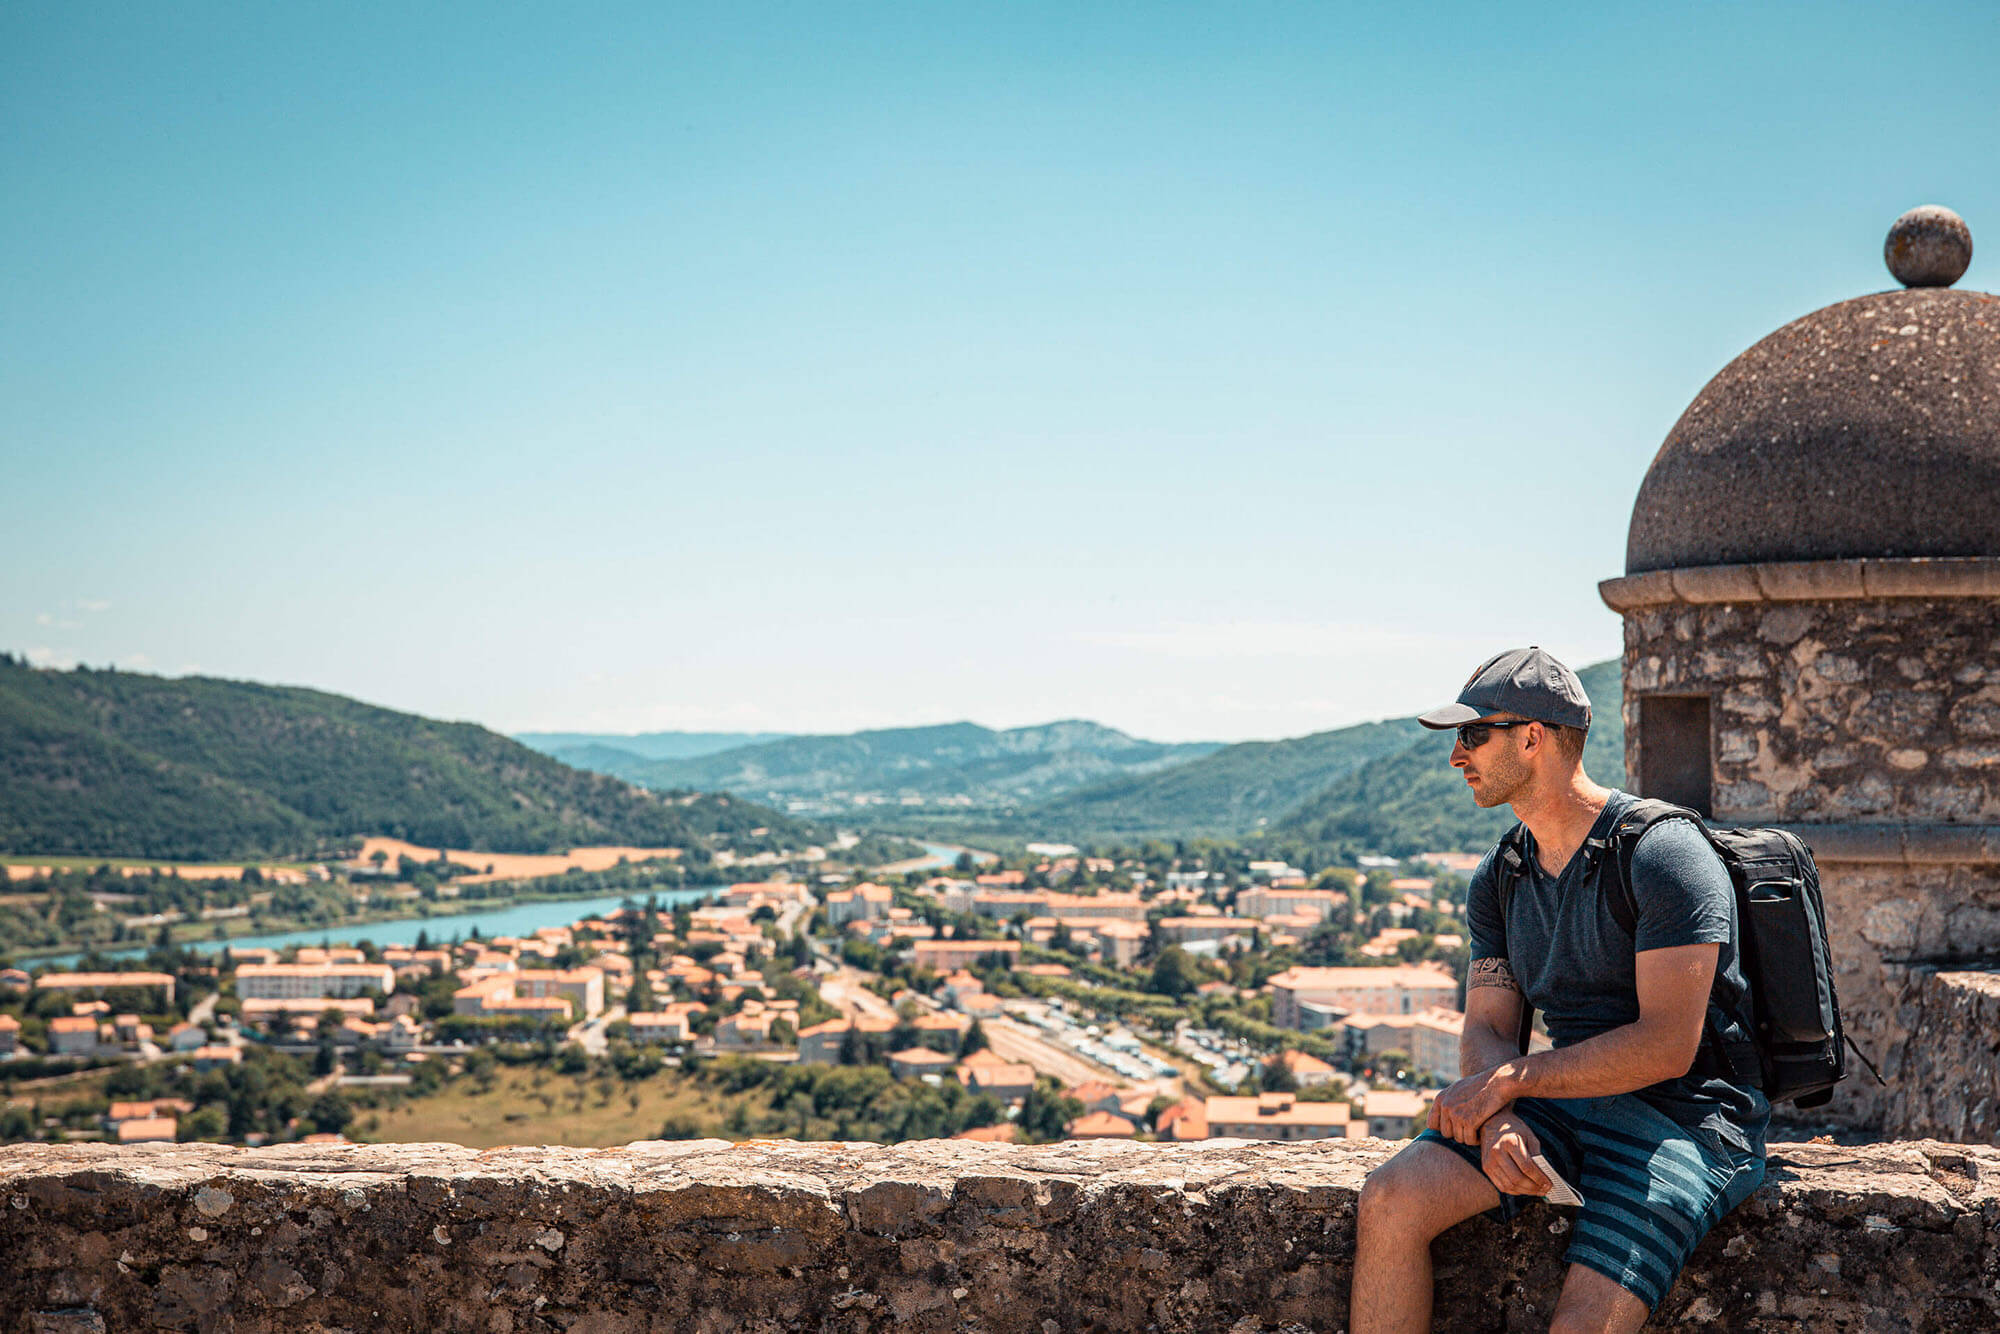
1574, 962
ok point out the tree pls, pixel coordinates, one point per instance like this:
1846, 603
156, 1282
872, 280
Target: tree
1277, 1077
965, 864
1047, 1110
851, 1049
210, 1123
1174, 974
974, 1040
330, 1113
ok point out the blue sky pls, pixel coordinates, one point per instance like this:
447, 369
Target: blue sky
1210, 371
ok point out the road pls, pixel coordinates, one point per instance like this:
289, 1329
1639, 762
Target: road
1021, 1044
590, 1033
847, 991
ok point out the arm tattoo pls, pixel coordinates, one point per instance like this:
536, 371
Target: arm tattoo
1492, 972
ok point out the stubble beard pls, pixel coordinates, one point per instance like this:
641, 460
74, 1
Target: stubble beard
1499, 782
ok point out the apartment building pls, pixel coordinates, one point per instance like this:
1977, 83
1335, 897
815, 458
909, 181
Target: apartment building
1395, 1113
673, 1024
1263, 901
865, 902
295, 981
917, 1061
73, 1035
948, 956
1207, 930
1276, 1116
820, 1044
582, 987
96, 984
1403, 989
1309, 1070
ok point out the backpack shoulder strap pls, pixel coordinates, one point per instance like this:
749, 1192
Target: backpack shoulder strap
1618, 847
1510, 863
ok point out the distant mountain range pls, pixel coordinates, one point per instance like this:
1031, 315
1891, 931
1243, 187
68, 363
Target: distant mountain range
122, 764
1381, 787
645, 745
958, 765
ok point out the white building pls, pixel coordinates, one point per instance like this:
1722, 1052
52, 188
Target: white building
296, 981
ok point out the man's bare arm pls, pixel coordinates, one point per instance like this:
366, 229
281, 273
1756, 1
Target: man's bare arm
1673, 1002
1493, 1004
1661, 1044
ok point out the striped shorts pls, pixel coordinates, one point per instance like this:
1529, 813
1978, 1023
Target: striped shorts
1651, 1190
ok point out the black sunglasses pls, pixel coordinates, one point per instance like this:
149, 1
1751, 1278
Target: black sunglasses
1474, 735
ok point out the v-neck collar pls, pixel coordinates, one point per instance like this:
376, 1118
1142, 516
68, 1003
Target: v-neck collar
1600, 829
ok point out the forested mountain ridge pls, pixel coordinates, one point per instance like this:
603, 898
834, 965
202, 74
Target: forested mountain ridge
1235, 790
961, 762
1414, 801
121, 763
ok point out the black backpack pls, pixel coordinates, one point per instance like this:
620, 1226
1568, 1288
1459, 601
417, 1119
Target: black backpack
1798, 1050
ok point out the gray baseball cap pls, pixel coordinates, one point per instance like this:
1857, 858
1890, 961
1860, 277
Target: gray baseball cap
1523, 681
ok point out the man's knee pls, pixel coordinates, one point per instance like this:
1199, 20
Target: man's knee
1423, 1190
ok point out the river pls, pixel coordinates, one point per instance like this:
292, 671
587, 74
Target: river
514, 919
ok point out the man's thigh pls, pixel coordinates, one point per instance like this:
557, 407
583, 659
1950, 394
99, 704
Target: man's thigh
1427, 1187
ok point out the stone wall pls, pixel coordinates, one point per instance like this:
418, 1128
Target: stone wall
1951, 1068
707, 1237
1838, 710
1854, 714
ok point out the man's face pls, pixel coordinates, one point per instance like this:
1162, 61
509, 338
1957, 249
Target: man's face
1494, 769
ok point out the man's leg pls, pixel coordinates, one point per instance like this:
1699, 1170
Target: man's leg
1592, 1303
1404, 1204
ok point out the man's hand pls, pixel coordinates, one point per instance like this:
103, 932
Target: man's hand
1506, 1152
1462, 1109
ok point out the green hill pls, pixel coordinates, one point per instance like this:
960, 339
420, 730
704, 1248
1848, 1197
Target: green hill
1414, 801
1233, 791
960, 763
119, 763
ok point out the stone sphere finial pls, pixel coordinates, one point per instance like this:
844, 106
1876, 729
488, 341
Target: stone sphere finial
1930, 246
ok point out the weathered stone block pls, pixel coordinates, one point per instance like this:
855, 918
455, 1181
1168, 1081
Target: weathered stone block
1951, 1081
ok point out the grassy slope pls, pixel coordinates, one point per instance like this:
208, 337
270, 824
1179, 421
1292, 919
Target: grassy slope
459, 1114
119, 762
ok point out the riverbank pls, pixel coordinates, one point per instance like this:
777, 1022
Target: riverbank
512, 915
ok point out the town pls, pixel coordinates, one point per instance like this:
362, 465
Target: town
1163, 993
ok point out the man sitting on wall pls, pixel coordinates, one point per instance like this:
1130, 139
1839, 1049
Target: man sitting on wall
1629, 1108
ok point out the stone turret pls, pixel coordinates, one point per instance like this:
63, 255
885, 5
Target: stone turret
1812, 639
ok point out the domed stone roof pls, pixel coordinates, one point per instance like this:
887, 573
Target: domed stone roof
1868, 428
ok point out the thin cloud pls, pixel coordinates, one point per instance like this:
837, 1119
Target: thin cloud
93, 605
